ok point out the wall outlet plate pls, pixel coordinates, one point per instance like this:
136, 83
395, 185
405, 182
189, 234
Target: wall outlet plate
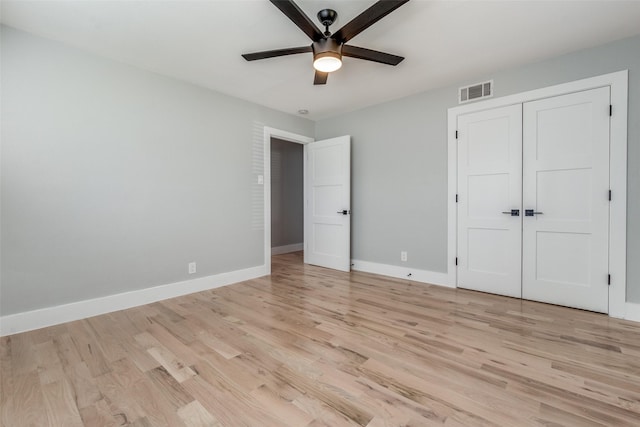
192, 267
403, 256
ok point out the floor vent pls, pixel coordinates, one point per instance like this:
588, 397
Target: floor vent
475, 91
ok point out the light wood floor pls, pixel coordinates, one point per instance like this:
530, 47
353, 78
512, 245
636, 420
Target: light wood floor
313, 347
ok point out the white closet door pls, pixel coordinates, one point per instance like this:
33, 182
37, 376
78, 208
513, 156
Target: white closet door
490, 184
566, 181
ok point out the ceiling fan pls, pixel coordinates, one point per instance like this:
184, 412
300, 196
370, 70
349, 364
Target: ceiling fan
328, 49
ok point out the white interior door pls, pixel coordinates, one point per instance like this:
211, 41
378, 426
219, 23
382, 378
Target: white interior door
489, 188
327, 229
566, 186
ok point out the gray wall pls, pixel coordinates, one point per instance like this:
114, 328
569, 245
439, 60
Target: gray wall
287, 206
399, 170
114, 178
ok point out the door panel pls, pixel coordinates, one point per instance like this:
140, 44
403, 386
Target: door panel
490, 183
328, 194
566, 178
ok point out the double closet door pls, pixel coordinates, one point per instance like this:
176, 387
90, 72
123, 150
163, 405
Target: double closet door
533, 200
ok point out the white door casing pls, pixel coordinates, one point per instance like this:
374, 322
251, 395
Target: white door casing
327, 208
268, 133
489, 188
566, 179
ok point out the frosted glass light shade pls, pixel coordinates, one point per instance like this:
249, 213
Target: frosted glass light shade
327, 62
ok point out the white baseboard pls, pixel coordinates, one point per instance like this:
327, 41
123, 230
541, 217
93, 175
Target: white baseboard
632, 311
36, 319
423, 276
279, 250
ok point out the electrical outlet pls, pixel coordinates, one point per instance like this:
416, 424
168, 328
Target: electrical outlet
403, 256
192, 267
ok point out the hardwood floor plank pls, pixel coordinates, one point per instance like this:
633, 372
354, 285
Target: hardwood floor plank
110, 339
230, 407
337, 400
49, 365
138, 354
218, 345
281, 407
195, 415
177, 368
395, 408
83, 385
120, 406
60, 405
179, 348
595, 408
6, 378
550, 414
67, 351
98, 414
173, 392
89, 347
309, 347
27, 403
159, 411
219, 369
323, 415
24, 360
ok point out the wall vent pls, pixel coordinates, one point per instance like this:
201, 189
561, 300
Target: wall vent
475, 91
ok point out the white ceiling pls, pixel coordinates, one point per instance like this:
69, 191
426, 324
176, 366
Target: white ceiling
444, 42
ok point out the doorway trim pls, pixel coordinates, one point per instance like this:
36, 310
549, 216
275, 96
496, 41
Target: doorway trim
618, 82
285, 136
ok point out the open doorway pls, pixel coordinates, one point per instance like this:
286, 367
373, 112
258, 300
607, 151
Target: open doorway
287, 198
295, 139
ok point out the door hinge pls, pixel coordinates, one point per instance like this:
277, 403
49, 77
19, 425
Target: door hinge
609, 195
456, 198
609, 279
456, 134
610, 110
456, 260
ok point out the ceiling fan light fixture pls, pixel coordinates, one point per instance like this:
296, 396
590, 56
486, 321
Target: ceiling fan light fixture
327, 62
327, 55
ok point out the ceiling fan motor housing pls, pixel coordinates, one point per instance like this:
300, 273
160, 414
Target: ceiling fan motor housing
326, 46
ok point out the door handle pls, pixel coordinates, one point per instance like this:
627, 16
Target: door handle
344, 212
513, 212
531, 212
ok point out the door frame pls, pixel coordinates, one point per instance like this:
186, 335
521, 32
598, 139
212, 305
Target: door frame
618, 82
285, 136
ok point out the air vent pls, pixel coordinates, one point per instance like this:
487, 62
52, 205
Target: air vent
475, 91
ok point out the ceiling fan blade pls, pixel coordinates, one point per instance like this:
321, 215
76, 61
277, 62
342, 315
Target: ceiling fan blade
366, 19
371, 55
293, 12
278, 52
320, 78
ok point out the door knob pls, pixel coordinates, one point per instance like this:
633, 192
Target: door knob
513, 212
531, 212
344, 212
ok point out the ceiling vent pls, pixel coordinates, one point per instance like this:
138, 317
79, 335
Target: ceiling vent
475, 91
